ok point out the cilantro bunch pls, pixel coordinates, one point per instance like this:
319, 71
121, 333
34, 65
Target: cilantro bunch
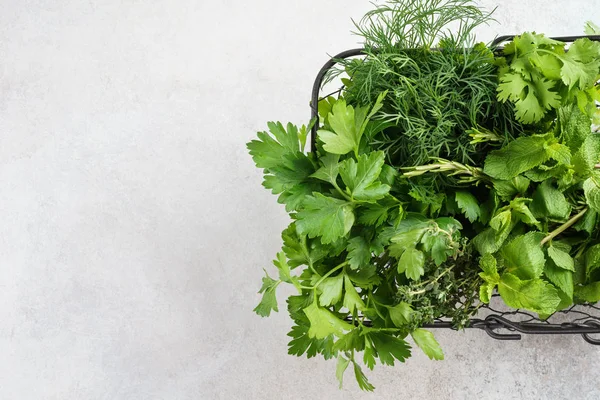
388, 235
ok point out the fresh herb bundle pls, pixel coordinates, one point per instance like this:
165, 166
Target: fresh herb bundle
444, 172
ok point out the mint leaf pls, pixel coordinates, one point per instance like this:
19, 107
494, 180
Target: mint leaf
534, 294
517, 157
561, 259
331, 290
588, 293
490, 269
412, 263
361, 178
426, 341
491, 239
324, 323
485, 292
562, 278
592, 259
550, 202
469, 205
521, 212
326, 217
575, 126
592, 194
524, 257
588, 155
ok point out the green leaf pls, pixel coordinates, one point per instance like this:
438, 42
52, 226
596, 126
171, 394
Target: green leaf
409, 233
400, 314
352, 300
285, 274
490, 269
592, 259
575, 126
324, 323
342, 365
345, 136
412, 263
588, 293
561, 259
581, 64
562, 278
521, 212
373, 214
369, 356
469, 205
531, 99
268, 302
517, 157
591, 28
331, 290
361, 379
491, 239
534, 294
524, 256
550, 202
271, 147
592, 194
359, 252
508, 189
326, 217
588, 155
389, 348
426, 341
485, 292
361, 178
330, 168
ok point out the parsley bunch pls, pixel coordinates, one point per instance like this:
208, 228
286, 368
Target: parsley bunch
412, 208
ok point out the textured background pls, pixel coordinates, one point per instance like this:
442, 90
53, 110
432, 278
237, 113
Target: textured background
133, 227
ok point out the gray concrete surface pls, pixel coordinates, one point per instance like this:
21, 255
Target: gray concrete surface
133, 227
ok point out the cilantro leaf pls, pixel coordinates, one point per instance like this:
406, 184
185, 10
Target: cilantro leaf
326, 217
531, 98
324, 323
534, 294
468, 204
361, 178
426, 341
581, 64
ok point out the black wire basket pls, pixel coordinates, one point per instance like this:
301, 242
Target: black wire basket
495, 319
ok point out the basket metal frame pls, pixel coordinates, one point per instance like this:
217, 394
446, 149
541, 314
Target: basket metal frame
583, 319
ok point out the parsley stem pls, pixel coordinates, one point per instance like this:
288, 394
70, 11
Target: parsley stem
329, 273
340, 191
563, 227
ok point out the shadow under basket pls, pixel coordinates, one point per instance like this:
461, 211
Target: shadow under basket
497, 321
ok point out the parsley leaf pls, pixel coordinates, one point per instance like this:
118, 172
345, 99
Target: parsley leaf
468, 204
324, 216
426, 341
324, 323
268, 302
361, 178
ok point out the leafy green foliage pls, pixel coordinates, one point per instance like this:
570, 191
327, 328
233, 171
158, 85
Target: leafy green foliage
444, 171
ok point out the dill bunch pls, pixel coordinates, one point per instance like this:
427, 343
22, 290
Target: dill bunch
435, 95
